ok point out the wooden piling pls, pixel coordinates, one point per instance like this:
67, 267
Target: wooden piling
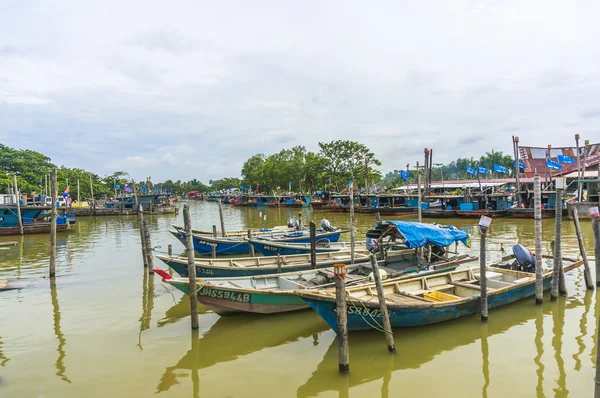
517, 169
377, 217
342, 317
278, 263
93, 207
140, 217
148, 241
221, 218
419, 210
170, 250
387, 326
482, 274
17, 195
352, 231
214, 247
78, 199
53, 225
587, 273
537, 203
596, 230
313, 245
299, 220
557, 252
189, 244
250, 247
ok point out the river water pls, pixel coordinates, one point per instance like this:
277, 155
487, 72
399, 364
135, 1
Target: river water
104, 328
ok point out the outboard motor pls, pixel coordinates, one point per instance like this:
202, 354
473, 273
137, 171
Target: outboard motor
372, 244
326, 225
291, 223
525, 261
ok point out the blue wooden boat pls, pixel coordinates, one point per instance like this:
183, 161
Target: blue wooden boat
430, 299
204, 244
324, 244
32, 218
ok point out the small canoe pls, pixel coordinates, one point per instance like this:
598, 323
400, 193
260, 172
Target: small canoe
430, 299
270, 294
323, 245
254, 266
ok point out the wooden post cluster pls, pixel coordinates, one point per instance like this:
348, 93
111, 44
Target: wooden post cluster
537, 203
53, 226
18, 197
587, 273
387, 326
140, 217
148, 245
189, 244
313, 245
342, 317
482, 274
221, 218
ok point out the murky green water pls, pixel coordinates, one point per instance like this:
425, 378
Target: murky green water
106, 329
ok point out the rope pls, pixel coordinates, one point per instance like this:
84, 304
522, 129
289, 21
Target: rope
377, 326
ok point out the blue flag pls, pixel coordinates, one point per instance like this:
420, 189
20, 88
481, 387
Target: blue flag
565, 159
117, 186
551, 164
471, 171
483, 170
404, 175
521, 165
500, 169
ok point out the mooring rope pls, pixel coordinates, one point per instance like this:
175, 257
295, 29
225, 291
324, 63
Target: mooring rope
377, 326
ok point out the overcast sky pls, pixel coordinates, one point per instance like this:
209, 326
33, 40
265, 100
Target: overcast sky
190, 89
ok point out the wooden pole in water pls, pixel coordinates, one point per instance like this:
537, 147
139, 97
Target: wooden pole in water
140, 217
93, 208
149, 257
342, 317
170, 250
278, 263
482, 274
419, 210
578, 160
299, 220
221, 218
387, 326
377, 217
17, 195
214, 247
45, 185
596, 229
313, 245
537, 203
557, 246
517, 169
352, 231
191, 265
78, 200
587, 273
250, 247
53, 226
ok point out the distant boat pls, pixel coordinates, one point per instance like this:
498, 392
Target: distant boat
431, 299
32, 218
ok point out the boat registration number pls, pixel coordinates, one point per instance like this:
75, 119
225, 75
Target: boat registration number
362, 311
206, 243
232, 296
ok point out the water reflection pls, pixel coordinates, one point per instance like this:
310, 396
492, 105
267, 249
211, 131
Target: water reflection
232, 337
180, 310
60, 361
3, 357
558, 319
147, 304
539, 347
421, 345
587, 303
194, 367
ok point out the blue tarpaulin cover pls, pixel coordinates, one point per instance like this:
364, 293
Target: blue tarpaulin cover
419, 234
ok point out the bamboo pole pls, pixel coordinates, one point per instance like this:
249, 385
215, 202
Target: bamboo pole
352, 231
517, 169
313, 245
587, 273
557, 246
53, 226
191, 266
149, 256
221, 218
17, 195
140, 217
342, 317
482, 274
387, 326
537, 200
419, 211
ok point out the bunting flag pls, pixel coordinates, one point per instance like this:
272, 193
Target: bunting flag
483, 170
471, 171
500, 169
143, 188
66, 193
565, 159
404, 175
551, 164
127, 189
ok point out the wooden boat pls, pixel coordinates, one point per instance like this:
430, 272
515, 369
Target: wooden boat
33, 228
203, 244
438, 213
431, 299
271, 294
386, 211
254, 266
242, 232
516, 212
323, 245
481, 212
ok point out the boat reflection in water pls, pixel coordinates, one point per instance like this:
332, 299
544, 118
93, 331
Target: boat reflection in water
417, 346
224, 342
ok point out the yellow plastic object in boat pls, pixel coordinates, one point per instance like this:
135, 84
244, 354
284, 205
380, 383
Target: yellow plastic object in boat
439, 296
